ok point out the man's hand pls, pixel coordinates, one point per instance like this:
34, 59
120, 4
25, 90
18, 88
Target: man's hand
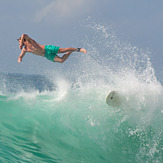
19, 59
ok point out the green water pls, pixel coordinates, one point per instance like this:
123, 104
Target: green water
77, 128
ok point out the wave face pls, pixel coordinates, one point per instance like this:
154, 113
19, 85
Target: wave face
64, 118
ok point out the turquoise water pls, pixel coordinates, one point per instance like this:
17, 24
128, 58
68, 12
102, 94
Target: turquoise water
64, 118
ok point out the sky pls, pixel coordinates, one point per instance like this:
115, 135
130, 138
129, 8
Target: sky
59, 22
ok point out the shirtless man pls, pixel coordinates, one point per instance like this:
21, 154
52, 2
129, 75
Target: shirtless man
26, 44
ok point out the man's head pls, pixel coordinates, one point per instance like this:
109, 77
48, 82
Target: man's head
19, 38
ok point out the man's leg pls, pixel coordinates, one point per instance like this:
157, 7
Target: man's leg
63, 58
64, 50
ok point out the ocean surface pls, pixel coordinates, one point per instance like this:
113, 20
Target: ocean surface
62, 117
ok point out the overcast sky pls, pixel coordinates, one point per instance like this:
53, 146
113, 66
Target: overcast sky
58, 22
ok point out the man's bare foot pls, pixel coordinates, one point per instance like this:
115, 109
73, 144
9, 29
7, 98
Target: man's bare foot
83, 50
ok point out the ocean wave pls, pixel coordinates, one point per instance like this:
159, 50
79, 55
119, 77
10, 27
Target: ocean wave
63, 117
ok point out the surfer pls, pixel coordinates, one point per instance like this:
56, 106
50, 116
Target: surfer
27, 44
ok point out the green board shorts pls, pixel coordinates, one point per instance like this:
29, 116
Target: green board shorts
50, 52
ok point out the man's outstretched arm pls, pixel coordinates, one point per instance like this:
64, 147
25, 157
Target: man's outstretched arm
22, 54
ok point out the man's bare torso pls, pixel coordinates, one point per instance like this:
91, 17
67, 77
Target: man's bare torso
33, 47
